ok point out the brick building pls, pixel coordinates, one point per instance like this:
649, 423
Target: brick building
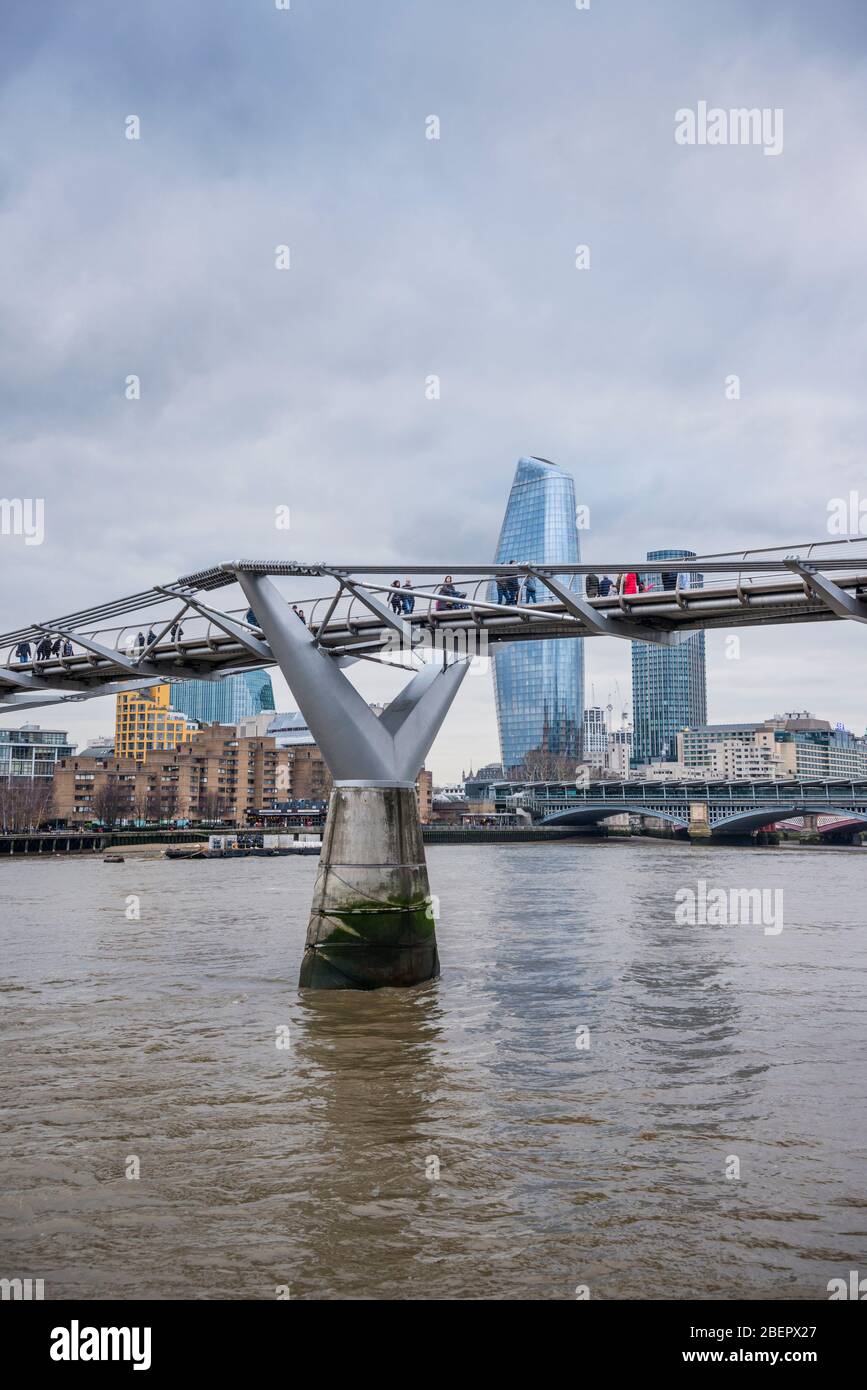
216, 776
424, 790
308, 775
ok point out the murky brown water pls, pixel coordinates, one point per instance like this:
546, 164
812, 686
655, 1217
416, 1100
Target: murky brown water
309, 1167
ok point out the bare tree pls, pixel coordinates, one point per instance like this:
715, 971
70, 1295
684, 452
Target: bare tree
168, 802
542, 766
212, 806
112, 801
26, 803
143, 803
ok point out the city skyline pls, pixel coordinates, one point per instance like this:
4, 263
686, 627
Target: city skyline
477, 745
165, 271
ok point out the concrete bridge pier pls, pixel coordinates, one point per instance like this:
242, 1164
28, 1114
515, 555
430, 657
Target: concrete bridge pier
372, 919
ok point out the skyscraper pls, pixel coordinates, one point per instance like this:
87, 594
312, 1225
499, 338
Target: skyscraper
539, 686
669, 684
595, 745
224, 701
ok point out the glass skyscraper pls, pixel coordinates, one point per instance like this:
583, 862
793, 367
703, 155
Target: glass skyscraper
225, 701
539, 686
669, 684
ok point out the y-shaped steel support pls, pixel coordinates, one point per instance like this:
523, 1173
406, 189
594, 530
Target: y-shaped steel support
371, 923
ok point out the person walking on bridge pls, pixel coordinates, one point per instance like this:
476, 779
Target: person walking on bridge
408, 597
22, 651
395, 598
448, 590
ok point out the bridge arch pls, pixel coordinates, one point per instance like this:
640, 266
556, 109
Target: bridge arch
592, 814
855, 821
769, 815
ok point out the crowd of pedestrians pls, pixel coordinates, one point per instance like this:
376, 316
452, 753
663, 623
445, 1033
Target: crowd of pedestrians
44, 650
598, 586
512, 589
402, 598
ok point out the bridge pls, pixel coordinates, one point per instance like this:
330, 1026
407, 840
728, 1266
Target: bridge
700, 807
371, 921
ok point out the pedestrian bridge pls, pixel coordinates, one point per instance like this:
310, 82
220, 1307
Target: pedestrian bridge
176, 631
722, 807
372, 919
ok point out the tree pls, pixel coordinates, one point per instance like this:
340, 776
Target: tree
26, 803
112, 800
542, 766
212, 807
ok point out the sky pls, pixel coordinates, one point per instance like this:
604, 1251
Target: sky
262, 127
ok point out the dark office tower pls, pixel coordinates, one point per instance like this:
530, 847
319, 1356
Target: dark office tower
669, 684
539, 686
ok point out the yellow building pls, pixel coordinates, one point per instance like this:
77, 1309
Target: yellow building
146, 723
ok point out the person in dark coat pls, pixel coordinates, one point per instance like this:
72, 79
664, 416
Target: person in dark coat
22, 651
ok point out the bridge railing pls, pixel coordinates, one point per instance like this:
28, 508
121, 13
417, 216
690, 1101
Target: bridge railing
665, 590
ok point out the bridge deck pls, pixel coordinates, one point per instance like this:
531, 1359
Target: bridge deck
351, 620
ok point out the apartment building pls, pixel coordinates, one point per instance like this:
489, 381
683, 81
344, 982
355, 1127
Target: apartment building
215, 776
146, 723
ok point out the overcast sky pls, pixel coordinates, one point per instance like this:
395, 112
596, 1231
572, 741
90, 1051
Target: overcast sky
262, 127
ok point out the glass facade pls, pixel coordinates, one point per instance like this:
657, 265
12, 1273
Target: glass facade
31, 751
669, 684
225, 701
539, 686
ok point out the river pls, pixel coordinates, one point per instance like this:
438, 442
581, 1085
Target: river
704, 1138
